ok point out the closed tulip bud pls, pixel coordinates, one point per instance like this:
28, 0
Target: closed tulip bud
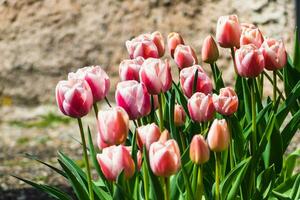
187, 76
179, 115
156, 75
274, 54
147, 134
115, 159
250, 34
164, 158
218, 136
97, 79
210, 52
228, 31
199, 151
113, 125
201, 107
130, 69
165, 135
249, 61
74, 97
185, 56
158, 40
174, 39
134, 98
226, 103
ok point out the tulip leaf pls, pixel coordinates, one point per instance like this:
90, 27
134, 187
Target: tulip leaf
288, 189
296, 60
246, 99
219, 80
195, 82
181, 99
290, 163
265, 182
290, 130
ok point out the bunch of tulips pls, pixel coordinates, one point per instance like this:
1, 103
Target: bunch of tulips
195, 139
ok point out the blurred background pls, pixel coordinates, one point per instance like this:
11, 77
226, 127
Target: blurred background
42, 40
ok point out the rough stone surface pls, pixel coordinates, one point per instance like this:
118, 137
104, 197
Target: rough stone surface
40, 41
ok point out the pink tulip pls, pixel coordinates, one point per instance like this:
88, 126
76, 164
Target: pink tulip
210, 52
97, 79
249, 61
115, 159
74, 97
187, 76
218, 136
226, 103
274, 54
147, 134
199, 151
156, 75
201, 107
100, 143
113, 125
250, 34
134, 98
164, 136
179, 115
164, 158
228, 31
146, 46
130, 69
174, 39
139, 157
185, 56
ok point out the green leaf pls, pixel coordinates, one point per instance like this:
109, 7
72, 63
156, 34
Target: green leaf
288, 189
187, 184
290, 130
265, 181
220, 83
247, 99
290, 163
181, 99
296, 60
171, 103
195, 81
52, 191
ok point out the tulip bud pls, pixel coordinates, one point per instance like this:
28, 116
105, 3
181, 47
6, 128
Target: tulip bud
74, 97
156, 75
218, 136
210, 52
199, 151
147, 134
179, 115
130, 69
249, 61
134, 98
227, 102
185, 56
113, 125
250, 34
158, 40
201, 107
274, 54
164, 158
174, 39
187, 76
97, 79
115, 159
165, 135
228, 31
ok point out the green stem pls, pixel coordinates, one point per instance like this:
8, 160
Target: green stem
271, 81
213, 69
182, 140
274, 87
254, 135
218, 171
160, 112
89, 177
199, 189
107, 101
139, 121
95, 110
166, 188
233, 58
146, 181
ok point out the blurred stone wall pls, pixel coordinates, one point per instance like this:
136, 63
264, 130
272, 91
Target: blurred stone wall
42, 40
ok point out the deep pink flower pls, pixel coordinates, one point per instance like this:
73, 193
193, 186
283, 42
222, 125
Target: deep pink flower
250, 34
226, 103
228, 31
201, 107
130, 69
147, 134
185, 56
174, 39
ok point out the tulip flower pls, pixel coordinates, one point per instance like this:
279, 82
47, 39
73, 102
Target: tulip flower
164, 158
97, 79
249, 61
113, 125
156, 75
199, 151
174, 39
134, 98
164, 136
226, 103
201, 107
179, 115
274, 54
147, 134
187, 76
100, 143
130, 69
218, 136
250, 34
228, 31
115, 159
185, 56
210, 52
146, 46
74, 97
